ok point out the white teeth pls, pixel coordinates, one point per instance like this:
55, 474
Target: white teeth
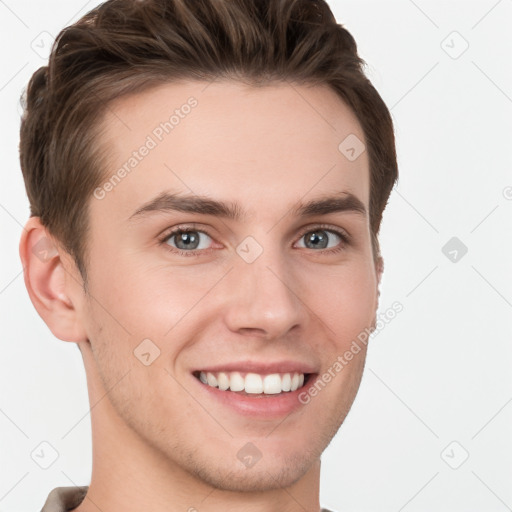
295, 382
212, 380
286, 382
253, 383
223, 381
272, 384
236, 382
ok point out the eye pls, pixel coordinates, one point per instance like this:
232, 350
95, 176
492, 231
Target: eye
320, 237
189, 241
186, 241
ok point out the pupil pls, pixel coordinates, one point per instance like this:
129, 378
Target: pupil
318, 239
187, 239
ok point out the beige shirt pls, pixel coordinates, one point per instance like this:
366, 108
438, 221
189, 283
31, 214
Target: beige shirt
62, 499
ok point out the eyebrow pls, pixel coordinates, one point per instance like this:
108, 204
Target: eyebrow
167, 202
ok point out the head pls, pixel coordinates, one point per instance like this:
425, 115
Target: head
248, 104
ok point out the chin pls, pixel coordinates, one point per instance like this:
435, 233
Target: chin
265, 475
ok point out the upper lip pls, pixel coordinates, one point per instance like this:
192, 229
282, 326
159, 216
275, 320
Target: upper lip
285, 366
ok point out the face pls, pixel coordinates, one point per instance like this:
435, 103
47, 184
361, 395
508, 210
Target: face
205, 265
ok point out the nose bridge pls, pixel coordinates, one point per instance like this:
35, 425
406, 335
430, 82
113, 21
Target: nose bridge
264, 296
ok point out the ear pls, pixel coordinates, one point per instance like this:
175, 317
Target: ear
379, 269
49, 283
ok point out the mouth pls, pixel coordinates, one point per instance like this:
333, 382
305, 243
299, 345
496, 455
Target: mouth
254, 385
260, 390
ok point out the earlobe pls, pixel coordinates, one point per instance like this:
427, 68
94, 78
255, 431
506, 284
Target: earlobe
47, 282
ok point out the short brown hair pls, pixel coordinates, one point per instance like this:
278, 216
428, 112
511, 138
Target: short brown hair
126, 46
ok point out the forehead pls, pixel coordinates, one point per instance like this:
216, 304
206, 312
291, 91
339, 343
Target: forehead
264, 146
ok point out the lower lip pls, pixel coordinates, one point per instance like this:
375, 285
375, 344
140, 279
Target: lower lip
261, 405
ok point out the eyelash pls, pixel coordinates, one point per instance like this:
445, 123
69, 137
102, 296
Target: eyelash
198, 252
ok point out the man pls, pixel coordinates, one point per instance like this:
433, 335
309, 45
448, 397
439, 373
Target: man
207, 181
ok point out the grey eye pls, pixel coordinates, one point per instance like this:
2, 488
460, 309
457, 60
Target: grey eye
319, 238
187, 240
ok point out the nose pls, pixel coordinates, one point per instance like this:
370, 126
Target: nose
264, 299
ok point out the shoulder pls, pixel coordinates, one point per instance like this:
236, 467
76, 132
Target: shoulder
62, 499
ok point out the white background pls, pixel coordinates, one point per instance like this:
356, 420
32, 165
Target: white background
439, 372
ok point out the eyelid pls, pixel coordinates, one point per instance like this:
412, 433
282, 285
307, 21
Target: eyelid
342, 233
192, 226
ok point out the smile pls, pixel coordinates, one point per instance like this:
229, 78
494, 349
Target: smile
253, 383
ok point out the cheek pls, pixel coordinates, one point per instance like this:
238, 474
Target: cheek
344, 300
146, 299
167, 306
